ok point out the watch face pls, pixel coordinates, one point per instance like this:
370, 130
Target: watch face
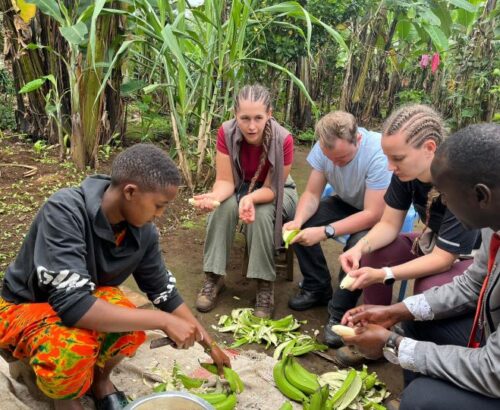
389, 281
329, 231
390, 355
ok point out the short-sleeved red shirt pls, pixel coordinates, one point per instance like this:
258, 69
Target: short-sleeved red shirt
250, 155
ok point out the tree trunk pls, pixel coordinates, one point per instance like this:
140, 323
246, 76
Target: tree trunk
99, 116
302, 114
27, 65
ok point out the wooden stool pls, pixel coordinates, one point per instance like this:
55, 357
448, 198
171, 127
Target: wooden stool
283, 260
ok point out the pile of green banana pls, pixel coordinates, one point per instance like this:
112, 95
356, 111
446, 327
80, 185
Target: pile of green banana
298, 346
219, 397
334, 390
248, 328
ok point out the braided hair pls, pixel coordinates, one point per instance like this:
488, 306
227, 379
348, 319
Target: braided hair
418, 123
257, 93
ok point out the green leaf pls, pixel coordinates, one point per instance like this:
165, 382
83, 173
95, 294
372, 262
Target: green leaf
75, 34
403, 29
171, 43
293, 77
49, 7
32, 85
442, 12
438, 38
131, 87
51, 78
429, 17
464, 4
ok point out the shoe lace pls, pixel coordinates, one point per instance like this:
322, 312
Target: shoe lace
208, 287
264, 297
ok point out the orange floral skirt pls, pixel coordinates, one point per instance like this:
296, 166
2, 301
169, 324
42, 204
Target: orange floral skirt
63, 358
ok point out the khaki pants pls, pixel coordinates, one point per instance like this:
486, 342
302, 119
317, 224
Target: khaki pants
221, 227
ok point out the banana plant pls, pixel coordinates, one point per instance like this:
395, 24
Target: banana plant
197, 57
53, 104
77, 25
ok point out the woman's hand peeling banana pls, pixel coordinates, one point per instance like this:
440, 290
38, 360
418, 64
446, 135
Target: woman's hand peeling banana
347, 282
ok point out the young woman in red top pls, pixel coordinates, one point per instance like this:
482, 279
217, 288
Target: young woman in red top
253, 162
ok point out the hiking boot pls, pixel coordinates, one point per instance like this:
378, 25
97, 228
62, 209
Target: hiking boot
212, 286
348, 356
264, 303
306, 299
332, 339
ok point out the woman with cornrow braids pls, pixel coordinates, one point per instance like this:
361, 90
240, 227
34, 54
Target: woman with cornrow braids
434, 256
252, 183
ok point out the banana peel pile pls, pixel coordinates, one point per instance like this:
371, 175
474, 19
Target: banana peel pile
340, 389
282, 333
221, 396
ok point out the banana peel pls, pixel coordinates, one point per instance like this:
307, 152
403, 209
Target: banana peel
289, 235
235, 383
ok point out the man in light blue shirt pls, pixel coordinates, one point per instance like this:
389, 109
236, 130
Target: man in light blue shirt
351, 160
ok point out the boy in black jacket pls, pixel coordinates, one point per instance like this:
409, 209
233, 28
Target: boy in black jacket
60, 304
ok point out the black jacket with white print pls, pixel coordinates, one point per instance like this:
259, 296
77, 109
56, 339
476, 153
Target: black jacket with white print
70, 250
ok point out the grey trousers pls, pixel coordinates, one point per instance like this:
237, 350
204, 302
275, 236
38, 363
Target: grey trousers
221, 227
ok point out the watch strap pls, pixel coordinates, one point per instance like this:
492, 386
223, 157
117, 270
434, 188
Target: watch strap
389, 278
392, 340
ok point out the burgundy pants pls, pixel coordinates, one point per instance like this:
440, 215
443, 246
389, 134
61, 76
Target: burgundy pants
399, 252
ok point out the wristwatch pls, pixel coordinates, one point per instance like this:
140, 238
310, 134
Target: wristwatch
329, 231
389, 278
391, 348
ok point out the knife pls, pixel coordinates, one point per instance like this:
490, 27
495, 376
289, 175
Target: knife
162, 341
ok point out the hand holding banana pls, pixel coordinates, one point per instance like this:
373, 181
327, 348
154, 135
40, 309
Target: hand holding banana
369, 340
385, 316
204, 202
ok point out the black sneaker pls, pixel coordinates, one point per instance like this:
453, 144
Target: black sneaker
306, 299
332, 339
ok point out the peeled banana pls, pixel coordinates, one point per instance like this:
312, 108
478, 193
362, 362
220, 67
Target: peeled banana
194, 202
343, 330
347, 282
